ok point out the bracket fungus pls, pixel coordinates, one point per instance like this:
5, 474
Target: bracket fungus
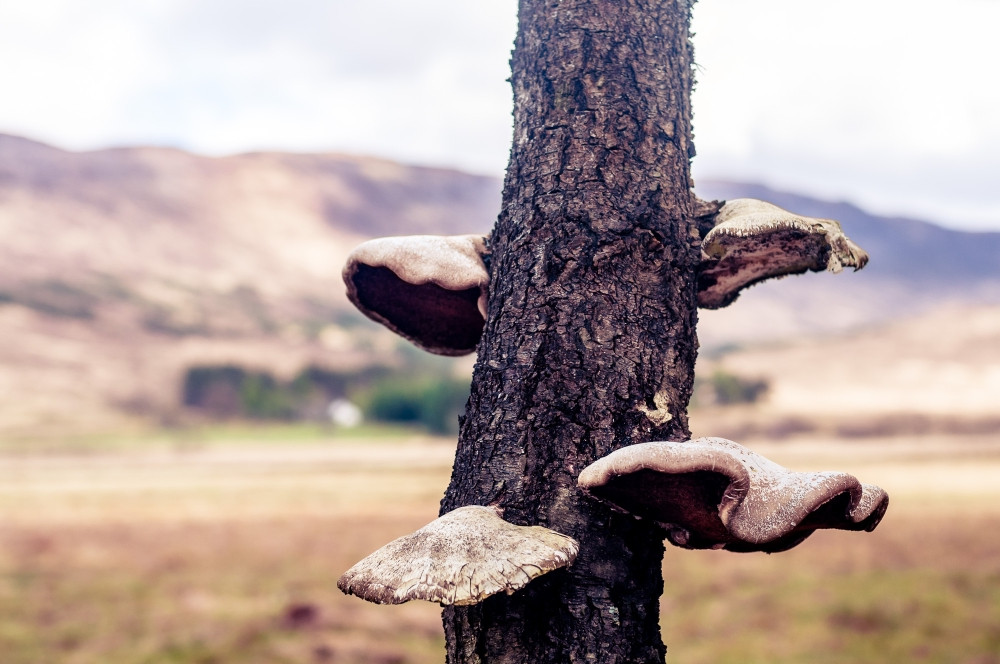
432, 289
460, 558
752, 241
429, 289
714, 493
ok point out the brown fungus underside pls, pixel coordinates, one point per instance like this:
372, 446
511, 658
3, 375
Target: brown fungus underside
714, 493
752, 241
426, 288
432, 289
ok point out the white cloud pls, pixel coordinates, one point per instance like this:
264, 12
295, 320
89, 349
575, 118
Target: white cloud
887, 102
67, 74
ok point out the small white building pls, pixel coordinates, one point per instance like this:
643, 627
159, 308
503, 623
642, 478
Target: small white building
343, 413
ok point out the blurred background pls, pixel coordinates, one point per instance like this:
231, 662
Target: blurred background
198, 434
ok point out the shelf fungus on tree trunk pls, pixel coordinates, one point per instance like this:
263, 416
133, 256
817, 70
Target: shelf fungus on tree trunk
714, 493
752, 241
429, 289
432, 289
460, 558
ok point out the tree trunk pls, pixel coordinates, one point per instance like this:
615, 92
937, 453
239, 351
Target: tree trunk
590, 339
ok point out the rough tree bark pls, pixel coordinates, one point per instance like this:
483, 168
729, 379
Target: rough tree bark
590, 338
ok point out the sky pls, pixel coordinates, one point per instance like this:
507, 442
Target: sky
890, 104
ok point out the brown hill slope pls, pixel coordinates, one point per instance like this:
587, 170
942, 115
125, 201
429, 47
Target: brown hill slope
934, 373
278, 224
121, 268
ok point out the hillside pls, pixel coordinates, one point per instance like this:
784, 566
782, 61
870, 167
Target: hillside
936, 373
151, 219
121, 268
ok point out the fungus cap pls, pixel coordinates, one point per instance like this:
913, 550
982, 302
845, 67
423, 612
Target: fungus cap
429, 289
753, 241
714, 493
460, 558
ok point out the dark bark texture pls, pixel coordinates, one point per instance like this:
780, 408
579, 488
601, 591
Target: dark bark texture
589, 343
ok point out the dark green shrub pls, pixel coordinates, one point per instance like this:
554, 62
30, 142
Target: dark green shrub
434, 402
229, 391
725, 389
264, 399
214, 390
424, 394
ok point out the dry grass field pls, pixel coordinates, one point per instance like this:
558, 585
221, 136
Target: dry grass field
229, 551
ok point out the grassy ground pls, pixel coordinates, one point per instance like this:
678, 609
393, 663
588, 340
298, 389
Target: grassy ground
228, 550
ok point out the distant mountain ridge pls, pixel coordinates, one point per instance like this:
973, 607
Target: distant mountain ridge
143, 211
119, 189
346, 190
121, 267
172, 228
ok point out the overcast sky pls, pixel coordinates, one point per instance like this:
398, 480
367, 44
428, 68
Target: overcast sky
892, 104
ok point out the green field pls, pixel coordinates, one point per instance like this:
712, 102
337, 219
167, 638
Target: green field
225, 546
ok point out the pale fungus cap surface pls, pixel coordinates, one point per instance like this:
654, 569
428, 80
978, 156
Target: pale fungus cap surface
714, 493
460, 558
753, 241
426, 288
